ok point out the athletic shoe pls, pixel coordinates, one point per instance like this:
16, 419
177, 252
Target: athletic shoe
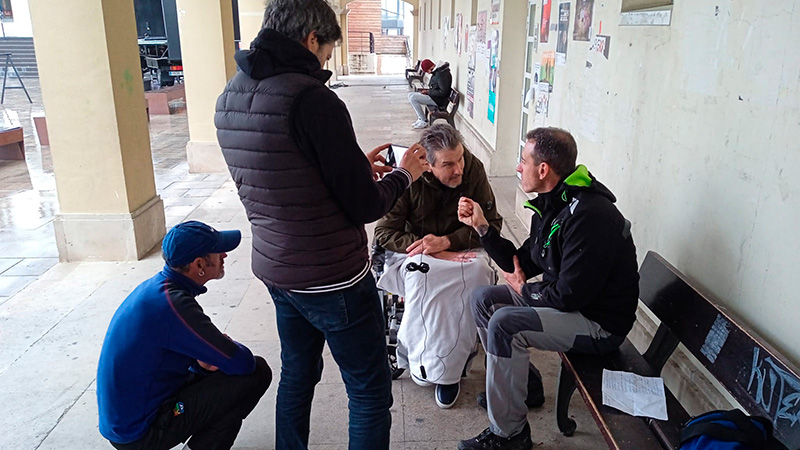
419, 124
447, 394
488, 440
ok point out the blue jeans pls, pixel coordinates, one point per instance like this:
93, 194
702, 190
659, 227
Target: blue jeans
351, 321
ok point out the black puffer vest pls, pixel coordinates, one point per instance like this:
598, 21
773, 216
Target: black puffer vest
301, 237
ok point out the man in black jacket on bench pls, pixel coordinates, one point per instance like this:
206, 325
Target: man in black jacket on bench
586, 302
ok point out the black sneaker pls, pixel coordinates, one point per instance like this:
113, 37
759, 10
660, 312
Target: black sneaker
488, 440
447, 394
534, 400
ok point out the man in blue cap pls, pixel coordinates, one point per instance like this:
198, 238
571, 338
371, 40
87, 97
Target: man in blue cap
166, 373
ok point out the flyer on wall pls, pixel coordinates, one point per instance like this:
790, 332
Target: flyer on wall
458, 30
563, 33
471, 53
495, 12
494, 73
545, 30
583, 20
481, 27
548, 68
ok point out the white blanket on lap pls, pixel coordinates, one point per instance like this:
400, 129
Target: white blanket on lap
438, 330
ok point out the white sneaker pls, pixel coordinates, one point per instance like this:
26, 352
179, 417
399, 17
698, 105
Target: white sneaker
419, 124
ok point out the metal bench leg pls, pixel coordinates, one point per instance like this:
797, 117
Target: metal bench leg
566, 387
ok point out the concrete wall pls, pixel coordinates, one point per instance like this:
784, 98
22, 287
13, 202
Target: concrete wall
695, 127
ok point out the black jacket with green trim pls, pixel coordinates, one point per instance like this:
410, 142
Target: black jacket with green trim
582, 246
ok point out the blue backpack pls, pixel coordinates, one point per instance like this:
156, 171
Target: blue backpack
728, 430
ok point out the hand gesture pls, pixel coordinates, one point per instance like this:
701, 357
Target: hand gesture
414, 161
517, 279
470, 213
375, 157
428, 245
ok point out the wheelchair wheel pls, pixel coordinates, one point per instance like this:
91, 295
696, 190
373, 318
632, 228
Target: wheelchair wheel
391, 351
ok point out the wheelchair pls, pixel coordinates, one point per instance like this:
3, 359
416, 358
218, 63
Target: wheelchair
393, 308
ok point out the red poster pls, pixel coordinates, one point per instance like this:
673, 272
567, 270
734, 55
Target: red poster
545, 32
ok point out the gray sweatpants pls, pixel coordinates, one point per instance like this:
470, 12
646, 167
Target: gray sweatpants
417, 100
507, 327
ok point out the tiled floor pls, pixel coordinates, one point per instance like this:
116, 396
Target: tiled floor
53, 316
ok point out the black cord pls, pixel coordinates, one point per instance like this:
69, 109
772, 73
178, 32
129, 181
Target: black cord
413, 266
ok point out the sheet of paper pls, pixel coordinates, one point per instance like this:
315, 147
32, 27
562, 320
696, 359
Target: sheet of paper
635, 394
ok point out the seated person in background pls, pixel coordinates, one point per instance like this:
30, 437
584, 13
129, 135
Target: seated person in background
437, 335
166, 373
438, 93
586, 302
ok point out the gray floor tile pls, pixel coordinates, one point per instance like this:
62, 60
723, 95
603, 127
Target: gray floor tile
7, 263
32, 267
10, 285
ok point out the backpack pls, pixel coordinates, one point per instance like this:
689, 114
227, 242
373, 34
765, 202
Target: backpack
728, 430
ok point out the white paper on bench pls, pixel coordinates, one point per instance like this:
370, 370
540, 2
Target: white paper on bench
635, 394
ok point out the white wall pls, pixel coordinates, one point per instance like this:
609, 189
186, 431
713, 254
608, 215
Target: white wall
21, 26
695, 127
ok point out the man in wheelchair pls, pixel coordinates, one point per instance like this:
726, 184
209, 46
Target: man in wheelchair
434, 261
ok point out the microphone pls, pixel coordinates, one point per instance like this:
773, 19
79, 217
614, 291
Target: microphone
422, 267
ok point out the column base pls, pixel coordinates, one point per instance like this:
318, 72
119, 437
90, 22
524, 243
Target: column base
110, 237
205, 157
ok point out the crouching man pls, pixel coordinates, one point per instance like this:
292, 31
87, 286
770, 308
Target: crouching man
166, 373
435, 262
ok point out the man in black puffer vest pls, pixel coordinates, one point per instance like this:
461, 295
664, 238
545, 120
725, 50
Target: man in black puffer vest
308, 190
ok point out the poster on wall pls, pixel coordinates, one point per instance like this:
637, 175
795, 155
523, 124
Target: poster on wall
495, 12
563, 32
543, 98
471, 51
481, 27
458, 30
601, 44
547, 73
583, 20
445, 30
471, 48
494, 73
544, 34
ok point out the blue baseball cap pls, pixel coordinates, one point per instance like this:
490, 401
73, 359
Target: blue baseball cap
188, 241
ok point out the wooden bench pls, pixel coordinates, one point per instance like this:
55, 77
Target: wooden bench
418, 75
158, 100
754, 374
449, 113
12, 144
414, 71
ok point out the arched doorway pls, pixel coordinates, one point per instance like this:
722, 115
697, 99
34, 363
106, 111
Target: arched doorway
380, 36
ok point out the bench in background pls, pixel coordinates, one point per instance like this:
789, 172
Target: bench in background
449, 113
758, 377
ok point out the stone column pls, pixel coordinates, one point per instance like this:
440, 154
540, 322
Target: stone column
93, 95
513, 44
207, 48
415, 43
